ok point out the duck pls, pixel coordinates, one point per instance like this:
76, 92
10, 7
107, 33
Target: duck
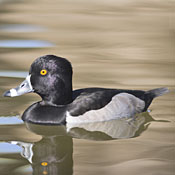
50, 77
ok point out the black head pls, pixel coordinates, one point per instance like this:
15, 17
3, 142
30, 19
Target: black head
50, 77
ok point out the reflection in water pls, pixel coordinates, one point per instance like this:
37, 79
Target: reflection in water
132, 50
7, 147
13, 74
53, 153
20, 28
10, 120
24, 44
108, 130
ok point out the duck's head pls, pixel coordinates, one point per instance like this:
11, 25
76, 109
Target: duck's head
50, 77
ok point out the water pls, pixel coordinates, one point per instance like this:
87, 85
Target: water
18, 28
24, 44
13, 74
114, 44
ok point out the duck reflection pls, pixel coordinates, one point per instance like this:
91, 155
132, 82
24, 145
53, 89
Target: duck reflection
109, 130
53, 153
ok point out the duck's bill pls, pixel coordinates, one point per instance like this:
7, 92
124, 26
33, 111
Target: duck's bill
23, 88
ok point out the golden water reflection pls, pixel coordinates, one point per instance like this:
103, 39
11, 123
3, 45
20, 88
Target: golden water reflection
115, 44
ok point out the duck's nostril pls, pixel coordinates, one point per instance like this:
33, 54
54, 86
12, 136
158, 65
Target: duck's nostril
22, 85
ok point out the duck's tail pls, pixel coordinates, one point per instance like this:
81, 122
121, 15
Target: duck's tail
157, 92
151, 94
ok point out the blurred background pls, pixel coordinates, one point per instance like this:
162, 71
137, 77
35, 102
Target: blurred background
111, 43
116, 44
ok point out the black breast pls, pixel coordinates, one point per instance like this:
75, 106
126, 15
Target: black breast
45, 114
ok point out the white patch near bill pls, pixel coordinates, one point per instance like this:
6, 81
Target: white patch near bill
29, 82
123, 105
13, 92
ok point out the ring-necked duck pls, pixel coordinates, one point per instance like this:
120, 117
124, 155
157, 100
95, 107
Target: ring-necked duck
51, 78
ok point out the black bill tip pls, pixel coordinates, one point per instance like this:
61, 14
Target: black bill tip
7, 94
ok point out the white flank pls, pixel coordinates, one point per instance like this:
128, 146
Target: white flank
123, 105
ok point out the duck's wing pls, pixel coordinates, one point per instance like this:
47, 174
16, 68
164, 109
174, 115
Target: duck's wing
103, 104
90, 99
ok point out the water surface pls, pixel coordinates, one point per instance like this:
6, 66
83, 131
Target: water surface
114, 44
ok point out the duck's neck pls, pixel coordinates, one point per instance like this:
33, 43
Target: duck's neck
62, 96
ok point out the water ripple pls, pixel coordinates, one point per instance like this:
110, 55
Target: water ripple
13, 74
10, 120
24, 44
9, 148
18, 28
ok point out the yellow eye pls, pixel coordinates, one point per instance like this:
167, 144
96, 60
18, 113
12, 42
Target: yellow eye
44, 163
43, 72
